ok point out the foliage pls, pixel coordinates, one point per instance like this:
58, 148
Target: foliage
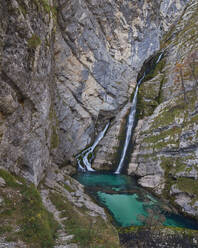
166, 237
9, 179
153, 220
188, 185
44, 5
5, 229
37, 224
88, 232
22, 207
156, 69
34, 41
153, 232
54, 138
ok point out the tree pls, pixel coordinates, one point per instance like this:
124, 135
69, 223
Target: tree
153, 220
152, 223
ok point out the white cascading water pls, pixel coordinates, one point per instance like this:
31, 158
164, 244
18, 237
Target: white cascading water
130, 125
131, 121
86, 156
159, 58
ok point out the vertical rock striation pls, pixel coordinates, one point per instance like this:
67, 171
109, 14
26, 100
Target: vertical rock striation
66, 69
26, 78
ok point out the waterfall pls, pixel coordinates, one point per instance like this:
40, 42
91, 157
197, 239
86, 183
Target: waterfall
130, 126
85, 157
159, 58
131, 120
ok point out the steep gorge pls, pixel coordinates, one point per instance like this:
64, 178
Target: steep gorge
68, 67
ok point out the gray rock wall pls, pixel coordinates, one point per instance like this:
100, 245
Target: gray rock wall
26, 79
67, 68
166, 149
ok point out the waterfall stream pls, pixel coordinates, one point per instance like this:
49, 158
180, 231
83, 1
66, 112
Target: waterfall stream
119, 193
130, 126
85, 157
131, 119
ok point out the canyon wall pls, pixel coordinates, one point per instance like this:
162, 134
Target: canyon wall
66, 68
166, 148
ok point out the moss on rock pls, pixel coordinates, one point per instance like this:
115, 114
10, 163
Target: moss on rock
34, 41
23, 216
54, 138
87, 231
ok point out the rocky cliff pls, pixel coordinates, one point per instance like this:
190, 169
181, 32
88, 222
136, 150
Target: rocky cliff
68, 67
166, 151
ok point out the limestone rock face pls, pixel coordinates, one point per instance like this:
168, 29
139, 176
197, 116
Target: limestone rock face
152, 181
107, 42
26, 53
79, 210
66, 68
2, 182
166, 141
59, 209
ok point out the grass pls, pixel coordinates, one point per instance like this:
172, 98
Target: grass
169, 139
9, 179
163, 230
23, 208
5, 229
54, 138
168, 115
87, 234
157, 69
38, 225
188, 185
163, 134
149, 94
68, 188
34, 41
44, 5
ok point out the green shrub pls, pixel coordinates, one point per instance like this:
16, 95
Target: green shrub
37, 224
34, 41
23, 207
78, 223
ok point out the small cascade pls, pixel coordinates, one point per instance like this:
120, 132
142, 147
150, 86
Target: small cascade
131, 118
159, 58
85, 158
130, 126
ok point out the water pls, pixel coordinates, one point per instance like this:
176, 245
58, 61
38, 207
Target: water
124, 208
119, 193
159, 58
85, 158
131, 119
126, 201
130, 126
